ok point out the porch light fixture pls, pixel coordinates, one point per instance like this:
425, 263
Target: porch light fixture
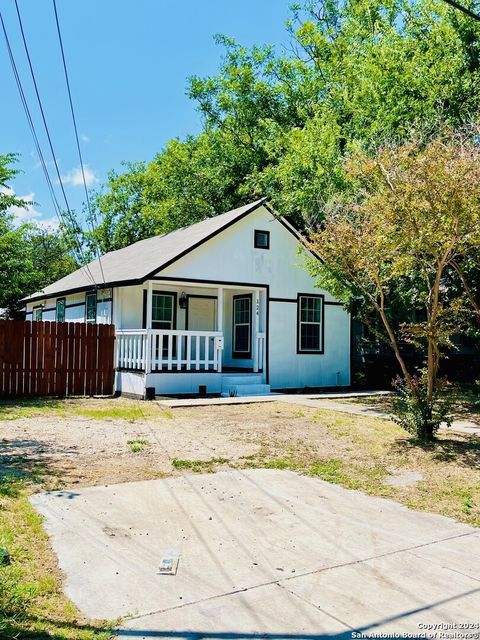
182, 301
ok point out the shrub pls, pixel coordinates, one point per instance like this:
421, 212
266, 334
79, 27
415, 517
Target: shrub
413, 411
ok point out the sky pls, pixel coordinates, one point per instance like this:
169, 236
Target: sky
128, 64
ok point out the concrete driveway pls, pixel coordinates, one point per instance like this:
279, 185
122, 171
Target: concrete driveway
261, 552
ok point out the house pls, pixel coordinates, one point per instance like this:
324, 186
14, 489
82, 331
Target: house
223, 306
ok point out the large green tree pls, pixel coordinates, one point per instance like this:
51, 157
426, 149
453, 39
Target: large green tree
407, 230
356, 72
30, 256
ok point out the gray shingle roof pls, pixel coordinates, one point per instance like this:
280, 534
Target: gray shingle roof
145, 257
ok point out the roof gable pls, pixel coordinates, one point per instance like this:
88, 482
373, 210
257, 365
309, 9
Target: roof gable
140, 260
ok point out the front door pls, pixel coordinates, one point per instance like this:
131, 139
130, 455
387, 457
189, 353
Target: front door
202, 316
242, 326
201, 313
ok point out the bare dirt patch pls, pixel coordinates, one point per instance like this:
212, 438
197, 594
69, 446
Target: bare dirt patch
88, 442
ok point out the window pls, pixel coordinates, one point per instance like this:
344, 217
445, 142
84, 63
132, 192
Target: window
60, 313
163, 311
262, 239
37, 313
91, 307
310, 324
242, 326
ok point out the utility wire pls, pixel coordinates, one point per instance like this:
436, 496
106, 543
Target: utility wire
56, 206
72, 111
59, 177
460, 7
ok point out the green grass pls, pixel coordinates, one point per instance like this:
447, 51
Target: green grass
137, 445
15, 410
329, 470
468, 504
92, 408
128, 413
199, 465
32, 604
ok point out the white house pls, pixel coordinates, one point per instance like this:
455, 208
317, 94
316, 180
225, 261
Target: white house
225, 304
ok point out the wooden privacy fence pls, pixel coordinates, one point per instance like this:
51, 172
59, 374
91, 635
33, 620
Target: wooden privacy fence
56, 359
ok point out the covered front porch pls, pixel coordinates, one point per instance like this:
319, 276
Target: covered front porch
191, 336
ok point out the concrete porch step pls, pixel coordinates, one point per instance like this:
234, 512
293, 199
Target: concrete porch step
242, 378
245, 390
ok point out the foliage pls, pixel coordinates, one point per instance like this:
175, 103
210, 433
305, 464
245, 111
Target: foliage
355, 72
403, 231
199, 466
30, 256
137, 445
414, 412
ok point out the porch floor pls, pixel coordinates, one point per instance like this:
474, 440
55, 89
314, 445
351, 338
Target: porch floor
184, 369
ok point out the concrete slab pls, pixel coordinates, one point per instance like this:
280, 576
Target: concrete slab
392, 594
259, 553
263, 610
457, 554
403, 478
333, 405
271, 397
173, 403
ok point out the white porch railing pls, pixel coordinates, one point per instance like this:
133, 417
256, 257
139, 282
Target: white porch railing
153, 350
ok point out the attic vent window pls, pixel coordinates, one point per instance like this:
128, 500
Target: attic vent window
262, 239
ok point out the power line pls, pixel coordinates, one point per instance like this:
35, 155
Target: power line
31, 125
56, 206
72, 111
70, 214
460, 7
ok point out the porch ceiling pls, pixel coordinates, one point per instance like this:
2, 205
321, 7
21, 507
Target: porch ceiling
206, 284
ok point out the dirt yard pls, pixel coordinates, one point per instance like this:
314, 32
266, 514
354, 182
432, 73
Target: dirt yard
105, 441
75, 443
88, 442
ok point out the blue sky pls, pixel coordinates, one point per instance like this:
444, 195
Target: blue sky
128, 63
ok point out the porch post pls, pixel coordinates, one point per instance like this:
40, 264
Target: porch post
220, 325
149, 304
148, 326
255, 328
117, 308
220, 309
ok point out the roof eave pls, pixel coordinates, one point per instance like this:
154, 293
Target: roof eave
84, 288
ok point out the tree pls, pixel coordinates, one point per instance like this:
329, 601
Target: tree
281, 124
408, 228
30, 256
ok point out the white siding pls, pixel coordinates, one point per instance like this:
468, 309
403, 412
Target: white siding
231, 257
74, 308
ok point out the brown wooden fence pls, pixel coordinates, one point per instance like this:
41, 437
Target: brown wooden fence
56, 359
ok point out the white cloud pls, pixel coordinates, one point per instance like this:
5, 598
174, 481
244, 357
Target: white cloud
29, 213
23, 213
84, 138
49, 223
75, 178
